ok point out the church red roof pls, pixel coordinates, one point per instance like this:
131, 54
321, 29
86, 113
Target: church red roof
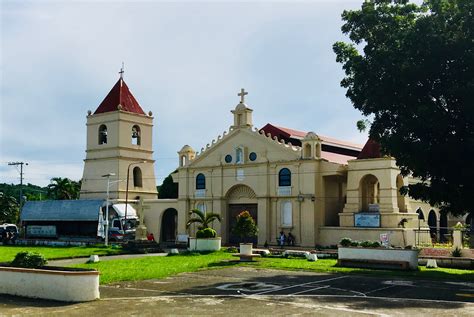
370, 150
119, 95
284, 133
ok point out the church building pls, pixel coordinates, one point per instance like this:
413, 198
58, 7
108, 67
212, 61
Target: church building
318, 188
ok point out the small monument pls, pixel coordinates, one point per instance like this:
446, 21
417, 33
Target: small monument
141, 231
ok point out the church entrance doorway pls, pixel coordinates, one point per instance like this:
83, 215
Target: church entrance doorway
234, 210
169, 225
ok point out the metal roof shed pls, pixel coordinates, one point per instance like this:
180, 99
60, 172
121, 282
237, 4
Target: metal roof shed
61, 210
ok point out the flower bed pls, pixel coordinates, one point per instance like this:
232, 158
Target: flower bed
378, 257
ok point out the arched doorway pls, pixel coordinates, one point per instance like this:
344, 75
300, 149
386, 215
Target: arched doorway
432, 223
169, 225
240, 198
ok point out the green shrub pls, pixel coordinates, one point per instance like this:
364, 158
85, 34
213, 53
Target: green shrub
29, 260
206, 233
375, 244
457, 253
355, 243
366, 244
345, 242
232, 250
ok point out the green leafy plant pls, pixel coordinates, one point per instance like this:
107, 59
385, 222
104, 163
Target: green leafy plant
203, 220
375, 244
345, 242
245, 226
457, 253
206, 233
366, 244
355, 243
29, 260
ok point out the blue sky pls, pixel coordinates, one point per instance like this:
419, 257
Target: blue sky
184, 61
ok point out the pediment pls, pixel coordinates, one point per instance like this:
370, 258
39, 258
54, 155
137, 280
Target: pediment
265, 148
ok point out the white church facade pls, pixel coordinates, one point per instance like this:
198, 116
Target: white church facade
318, 188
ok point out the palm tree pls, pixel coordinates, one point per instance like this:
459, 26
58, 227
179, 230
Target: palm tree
202, 219
63, 189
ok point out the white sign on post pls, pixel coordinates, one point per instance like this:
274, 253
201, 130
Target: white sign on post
385, 240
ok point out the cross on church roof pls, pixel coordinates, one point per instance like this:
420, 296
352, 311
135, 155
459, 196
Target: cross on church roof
121, 71
242, 95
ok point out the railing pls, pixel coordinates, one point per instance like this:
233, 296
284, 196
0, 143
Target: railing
442, 236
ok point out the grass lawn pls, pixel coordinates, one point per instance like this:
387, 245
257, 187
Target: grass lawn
329, 266
161, 267
155, 267
7, 252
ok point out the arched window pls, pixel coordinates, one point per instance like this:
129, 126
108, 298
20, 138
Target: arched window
103, 134
286, 214
137, 177
284, 177
136, 135
239, 156
307, 151
200, 181
400, 198
369, 191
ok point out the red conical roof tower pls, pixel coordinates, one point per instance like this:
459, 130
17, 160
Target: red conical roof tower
120, 95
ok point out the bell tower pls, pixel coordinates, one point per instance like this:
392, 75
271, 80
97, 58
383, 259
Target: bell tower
119, 142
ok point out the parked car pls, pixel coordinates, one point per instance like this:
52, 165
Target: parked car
8, 233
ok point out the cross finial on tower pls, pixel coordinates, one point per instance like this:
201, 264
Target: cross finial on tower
242, 95
121, 71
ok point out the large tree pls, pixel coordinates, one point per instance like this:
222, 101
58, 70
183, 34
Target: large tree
169, 189
410, 71
9, 209
64, 188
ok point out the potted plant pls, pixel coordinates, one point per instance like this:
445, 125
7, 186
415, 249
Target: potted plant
206, 238
245, 228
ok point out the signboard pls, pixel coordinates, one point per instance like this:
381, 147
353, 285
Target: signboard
385, 240
368, 220
41, 231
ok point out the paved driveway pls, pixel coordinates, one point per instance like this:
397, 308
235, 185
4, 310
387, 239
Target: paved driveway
248, 291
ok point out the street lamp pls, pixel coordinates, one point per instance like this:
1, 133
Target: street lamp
126, 191
107, 206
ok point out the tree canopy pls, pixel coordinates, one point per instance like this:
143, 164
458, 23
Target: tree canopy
63, 189
9, 209
410, 70
168, 189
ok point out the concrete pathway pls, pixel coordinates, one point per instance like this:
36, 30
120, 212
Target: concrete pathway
68, 262
246, 291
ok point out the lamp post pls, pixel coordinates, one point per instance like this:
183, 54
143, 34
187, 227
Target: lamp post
126, 190
107, 206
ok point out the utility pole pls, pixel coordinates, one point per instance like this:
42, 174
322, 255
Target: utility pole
21, 178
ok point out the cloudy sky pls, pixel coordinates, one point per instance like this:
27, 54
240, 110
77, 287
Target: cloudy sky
184, 61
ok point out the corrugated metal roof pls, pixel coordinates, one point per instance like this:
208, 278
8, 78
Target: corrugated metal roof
61, 210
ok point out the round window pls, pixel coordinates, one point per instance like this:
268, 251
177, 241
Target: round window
228, 158
253, 156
